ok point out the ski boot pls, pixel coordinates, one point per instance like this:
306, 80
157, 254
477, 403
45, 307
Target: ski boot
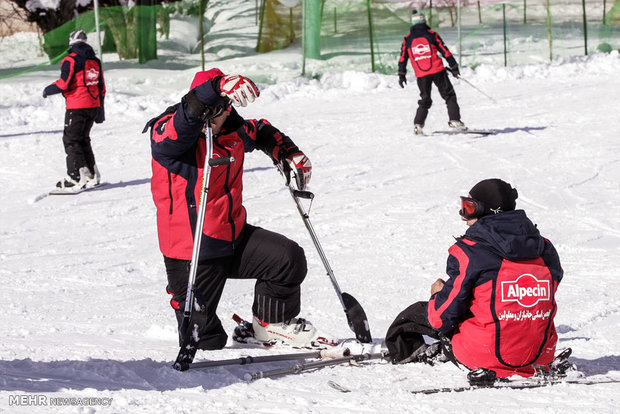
457, 125
482, 377
560, 365
243, 330
295, 332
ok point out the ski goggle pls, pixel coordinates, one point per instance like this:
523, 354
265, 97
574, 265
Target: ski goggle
470, 208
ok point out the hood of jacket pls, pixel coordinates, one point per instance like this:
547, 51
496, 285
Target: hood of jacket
83, 49
510, 234
419, 28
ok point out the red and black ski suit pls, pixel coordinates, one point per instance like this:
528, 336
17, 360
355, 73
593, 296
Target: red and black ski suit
421, 47
81, 78
81, 83
230, 248
496, 310
499, 303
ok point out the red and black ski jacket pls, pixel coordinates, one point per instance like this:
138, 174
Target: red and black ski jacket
81, 78
499, 302
420, 47
178, 147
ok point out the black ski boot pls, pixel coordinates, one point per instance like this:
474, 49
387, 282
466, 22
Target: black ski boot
243, 330
482, 377
560, 364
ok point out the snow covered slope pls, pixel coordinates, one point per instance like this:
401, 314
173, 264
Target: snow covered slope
86, 312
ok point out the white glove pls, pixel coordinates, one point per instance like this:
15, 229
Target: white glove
238, 89
300, 166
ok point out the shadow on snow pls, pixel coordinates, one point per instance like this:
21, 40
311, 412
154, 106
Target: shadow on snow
55, 131
100, 374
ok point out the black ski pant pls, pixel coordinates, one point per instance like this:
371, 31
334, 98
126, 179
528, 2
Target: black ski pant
278, 265
76, 139
446, 90
405, 335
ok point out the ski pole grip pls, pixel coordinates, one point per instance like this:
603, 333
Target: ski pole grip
303, 194
221, 161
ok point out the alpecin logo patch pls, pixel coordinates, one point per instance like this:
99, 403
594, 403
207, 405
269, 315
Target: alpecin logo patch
526, 290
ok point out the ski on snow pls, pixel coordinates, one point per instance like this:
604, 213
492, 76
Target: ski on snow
518, 384
555, 373
466, 132
305, 366
328, 352
60, 191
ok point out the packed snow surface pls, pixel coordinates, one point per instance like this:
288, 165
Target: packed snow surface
86, 314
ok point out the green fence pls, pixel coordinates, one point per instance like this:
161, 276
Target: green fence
368, 34
501, 34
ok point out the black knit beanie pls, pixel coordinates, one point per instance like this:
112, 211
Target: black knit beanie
496, 195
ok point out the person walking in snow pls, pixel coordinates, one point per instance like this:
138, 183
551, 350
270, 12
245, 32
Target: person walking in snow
230, 247
421, 47
81, 83
497, 308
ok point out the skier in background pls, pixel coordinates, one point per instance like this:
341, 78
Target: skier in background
81, 83
420, 47
230, 247
497, 308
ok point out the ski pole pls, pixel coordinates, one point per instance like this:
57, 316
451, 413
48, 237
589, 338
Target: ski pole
341, 352
356, 317
301, 367
478, 89
189, 337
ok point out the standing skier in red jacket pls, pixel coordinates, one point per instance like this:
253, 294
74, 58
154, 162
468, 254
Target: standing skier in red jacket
230, 247
81, 83
497, 307
421, 47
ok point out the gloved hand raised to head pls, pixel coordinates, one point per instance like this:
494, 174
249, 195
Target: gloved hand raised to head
455, 71
210, 97
301, 168
238, 89
402, 80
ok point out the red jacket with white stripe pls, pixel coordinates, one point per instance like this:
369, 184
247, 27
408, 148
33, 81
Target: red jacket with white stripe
178, 147
420, 47
499, 302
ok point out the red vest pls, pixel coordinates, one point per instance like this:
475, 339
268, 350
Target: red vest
512, 325
510, 311
423, 57
81, 89
421, 47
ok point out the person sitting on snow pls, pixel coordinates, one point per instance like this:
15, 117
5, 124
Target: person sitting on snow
230, 247
497, 308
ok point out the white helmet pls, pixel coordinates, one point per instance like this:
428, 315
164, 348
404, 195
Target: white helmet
78, 36
417, 17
